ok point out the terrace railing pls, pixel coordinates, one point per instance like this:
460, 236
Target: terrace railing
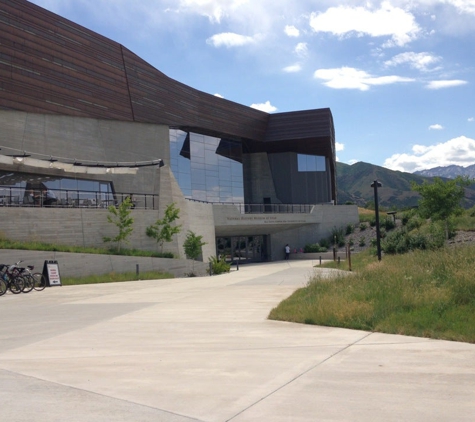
70, 198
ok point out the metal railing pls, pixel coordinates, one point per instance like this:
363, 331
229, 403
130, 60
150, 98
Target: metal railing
71, 198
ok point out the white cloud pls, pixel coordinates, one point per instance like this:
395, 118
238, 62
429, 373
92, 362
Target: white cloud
291, 31
339, 146
267, 107
229, 39
218, 95
214, 10
301, 49
459, 151
351, 78
470, 119
293, 68
436, 127
445, 84
419, 61
466, 6
387, 21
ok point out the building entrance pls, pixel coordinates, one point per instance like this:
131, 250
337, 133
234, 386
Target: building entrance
242, 248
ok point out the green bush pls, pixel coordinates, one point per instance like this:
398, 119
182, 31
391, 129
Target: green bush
325, 243
219, 265
350, 228
338, 236
362, 241
388, 223
314, 248
362, 226
401, 241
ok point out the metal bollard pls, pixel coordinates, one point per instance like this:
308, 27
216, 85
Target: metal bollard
137, 271
320, 260
210, 269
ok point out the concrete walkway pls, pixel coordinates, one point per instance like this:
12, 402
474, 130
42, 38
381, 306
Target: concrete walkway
201, 349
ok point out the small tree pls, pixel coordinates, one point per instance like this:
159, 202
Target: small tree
163, 230
440, 200
192, 246
120, 217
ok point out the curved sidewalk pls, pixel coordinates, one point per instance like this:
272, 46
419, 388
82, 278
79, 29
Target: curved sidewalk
201, 349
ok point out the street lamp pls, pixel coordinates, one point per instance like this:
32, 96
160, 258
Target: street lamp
377, 185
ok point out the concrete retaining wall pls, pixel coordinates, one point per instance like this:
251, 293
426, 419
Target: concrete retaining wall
77, 265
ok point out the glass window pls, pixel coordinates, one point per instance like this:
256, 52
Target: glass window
310, 163
212, 171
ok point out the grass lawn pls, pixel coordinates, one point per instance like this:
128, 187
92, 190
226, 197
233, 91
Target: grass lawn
422, 293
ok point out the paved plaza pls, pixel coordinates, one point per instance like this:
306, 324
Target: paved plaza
202, 349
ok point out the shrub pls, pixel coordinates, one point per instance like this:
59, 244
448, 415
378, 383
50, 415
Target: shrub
338, 236
325, 243
414, 222
388, 223
314, 248
350, 228
362, 241
219, 265
362, 226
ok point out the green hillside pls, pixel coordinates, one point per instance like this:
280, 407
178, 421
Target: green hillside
354, 185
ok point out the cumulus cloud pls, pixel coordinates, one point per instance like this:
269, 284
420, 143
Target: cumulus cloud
214, 10
351, 78
291, 31
294, 68
419, 61
267, 107
339, 146
470, 119
436, 127
459, 151
387, 21
229, 39
445, 84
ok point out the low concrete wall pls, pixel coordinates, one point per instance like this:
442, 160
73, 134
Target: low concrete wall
77, 265
316, 256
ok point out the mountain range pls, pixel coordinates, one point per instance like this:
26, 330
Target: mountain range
354, 184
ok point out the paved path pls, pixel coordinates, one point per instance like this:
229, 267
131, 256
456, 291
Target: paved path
201, 349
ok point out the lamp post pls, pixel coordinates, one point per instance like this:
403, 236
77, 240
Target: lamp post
375, 185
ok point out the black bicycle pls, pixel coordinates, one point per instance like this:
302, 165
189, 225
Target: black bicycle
12, 279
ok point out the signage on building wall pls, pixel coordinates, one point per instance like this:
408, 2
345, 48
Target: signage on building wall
271, 219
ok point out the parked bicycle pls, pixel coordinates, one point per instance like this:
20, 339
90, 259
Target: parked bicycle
20, 279
12, 279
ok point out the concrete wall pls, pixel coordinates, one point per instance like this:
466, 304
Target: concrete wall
78, 265
88, 139
329, 217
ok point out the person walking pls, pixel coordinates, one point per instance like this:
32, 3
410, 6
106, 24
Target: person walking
287, 251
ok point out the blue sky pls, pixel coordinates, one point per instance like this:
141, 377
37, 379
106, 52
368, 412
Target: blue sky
398, 75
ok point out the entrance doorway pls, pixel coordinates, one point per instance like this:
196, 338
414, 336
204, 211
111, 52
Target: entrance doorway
242, 248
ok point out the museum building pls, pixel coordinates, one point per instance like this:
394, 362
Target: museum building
85, 123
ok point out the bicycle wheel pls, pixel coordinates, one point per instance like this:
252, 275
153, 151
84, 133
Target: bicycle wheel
29, 283
40, 281
3, 287
16, 285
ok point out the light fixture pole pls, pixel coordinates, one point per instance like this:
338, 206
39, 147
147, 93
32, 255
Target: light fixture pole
377, 185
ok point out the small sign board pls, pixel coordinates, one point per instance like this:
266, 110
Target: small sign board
51, 272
